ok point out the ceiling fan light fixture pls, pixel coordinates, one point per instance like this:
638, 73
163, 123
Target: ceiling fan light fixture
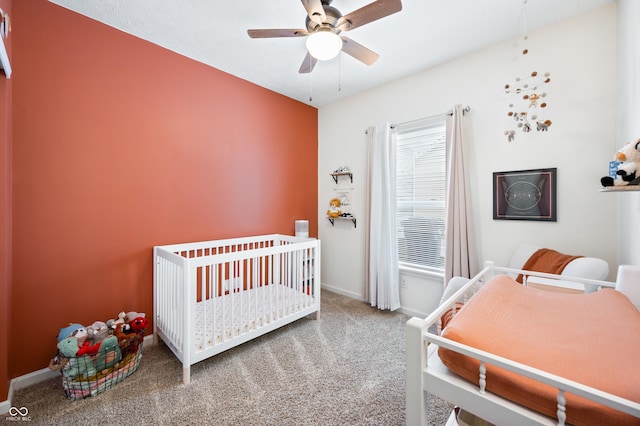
324, 45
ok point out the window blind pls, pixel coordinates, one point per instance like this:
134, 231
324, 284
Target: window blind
420, 192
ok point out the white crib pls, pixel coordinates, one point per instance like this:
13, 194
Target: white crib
214, 295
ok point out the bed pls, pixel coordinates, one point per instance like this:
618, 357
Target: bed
212, 296
504, 359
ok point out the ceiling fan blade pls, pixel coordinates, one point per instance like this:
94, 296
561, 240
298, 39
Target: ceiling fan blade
307, 64
315, 10
369, 13
267, 33
358, 51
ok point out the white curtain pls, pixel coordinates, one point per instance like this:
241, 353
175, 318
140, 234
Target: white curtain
382, 288
461, 258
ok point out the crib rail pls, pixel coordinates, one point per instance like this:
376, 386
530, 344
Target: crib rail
242, 244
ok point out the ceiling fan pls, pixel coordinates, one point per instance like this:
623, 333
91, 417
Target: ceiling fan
325, 21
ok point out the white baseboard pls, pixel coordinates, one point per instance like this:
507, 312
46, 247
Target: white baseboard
351, 295
24, 381
6, 405
40, 376
412, 313
32, 378
342, 292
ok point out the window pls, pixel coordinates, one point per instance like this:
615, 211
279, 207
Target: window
420, 193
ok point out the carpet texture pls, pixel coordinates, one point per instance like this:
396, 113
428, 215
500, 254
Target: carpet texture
345, 369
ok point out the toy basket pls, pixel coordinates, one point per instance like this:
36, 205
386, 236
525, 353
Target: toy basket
97, 379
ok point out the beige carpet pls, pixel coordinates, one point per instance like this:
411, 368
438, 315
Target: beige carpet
345, 369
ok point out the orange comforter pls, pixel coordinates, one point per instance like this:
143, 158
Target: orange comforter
593, 339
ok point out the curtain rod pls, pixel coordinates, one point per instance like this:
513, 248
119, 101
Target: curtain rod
450, 112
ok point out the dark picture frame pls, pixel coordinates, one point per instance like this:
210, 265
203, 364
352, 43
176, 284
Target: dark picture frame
525, 195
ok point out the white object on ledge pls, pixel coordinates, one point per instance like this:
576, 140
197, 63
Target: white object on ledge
302, 228
628, 283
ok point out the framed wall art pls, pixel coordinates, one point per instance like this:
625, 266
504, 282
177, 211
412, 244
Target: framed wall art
525, 195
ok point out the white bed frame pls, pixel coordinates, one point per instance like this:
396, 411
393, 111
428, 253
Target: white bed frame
425, 372
212, 296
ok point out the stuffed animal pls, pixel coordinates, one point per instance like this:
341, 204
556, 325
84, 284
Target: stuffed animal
334, 208
69, 331
121, 332
68, 347
126, 338
76, 365
81, 335
98, 331
88, 349
138, 324
628, 171
120, 320
109, 353
57, 362
133, 315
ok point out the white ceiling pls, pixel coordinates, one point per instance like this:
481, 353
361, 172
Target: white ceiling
425, 33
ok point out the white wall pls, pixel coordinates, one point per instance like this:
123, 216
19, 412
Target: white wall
580, 54
628, 124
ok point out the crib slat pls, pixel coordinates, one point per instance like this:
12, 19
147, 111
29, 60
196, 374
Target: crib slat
242, 296
224, 317
203, 298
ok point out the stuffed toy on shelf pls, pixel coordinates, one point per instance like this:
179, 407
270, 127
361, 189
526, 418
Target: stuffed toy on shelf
628, 169
334, 208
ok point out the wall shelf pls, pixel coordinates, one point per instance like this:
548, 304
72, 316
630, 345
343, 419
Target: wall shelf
335, 176
344, 197
620, 188
351, 218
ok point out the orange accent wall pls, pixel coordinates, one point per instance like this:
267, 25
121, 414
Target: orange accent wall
120, 145
5, 216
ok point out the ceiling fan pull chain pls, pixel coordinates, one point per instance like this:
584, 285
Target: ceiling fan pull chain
339, 72
310, 82
524, 9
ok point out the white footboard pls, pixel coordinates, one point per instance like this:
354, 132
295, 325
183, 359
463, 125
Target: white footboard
212, 296
426, 373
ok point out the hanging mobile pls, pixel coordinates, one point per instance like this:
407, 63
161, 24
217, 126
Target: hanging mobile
528, 98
